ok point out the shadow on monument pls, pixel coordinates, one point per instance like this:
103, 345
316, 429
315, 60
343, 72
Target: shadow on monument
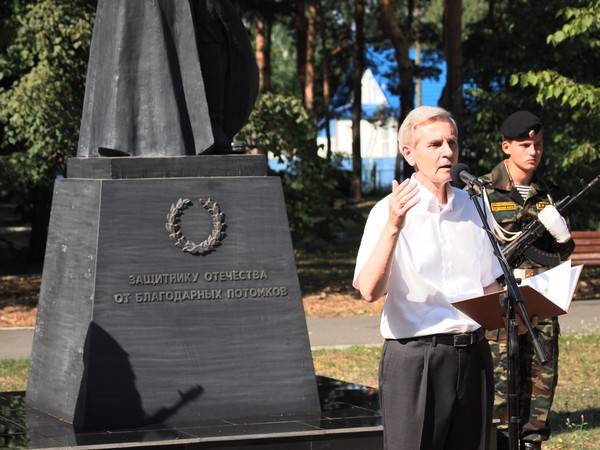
108, 398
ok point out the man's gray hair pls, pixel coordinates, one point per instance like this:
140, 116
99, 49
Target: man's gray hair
416, 117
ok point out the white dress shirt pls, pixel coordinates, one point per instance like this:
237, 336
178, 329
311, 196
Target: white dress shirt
442, 255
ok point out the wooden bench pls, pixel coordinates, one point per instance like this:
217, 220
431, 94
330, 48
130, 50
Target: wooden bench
587, 248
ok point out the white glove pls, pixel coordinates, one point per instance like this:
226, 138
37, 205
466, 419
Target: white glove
555, 224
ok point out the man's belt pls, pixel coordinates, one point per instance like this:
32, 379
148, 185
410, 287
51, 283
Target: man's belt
526, 273
459, 340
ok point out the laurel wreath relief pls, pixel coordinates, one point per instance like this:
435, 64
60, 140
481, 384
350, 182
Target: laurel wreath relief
173, 226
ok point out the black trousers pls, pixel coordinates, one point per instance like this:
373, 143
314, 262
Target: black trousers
436, 397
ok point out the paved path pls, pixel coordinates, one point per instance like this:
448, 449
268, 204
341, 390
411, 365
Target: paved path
15, 343
341, 332
583, 317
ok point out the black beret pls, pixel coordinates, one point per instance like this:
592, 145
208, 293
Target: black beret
521, 125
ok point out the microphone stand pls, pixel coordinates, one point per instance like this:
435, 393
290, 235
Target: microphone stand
512, 301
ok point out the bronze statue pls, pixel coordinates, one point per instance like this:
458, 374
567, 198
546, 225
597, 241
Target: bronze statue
166, 78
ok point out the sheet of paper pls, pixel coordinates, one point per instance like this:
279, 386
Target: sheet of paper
575, 272
557, 284
545, 295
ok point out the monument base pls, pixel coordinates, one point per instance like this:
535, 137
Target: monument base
169, 291
349, 419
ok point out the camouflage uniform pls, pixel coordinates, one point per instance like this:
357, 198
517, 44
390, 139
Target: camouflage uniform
537, 383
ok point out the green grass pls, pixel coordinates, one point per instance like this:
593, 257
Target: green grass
576, 410
358, 364
13, 374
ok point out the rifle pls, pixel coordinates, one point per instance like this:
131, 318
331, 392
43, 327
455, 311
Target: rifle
534, 230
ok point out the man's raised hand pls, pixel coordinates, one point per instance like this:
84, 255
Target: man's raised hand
404, 196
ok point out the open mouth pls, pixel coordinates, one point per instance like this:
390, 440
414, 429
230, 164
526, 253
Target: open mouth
446, 166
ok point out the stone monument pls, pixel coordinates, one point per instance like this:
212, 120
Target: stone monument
169, 292
169, 298
166, 78
170, 312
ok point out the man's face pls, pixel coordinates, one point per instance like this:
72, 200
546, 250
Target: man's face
434, 150
525, 154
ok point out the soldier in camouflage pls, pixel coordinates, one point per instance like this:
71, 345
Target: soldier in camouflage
515, 197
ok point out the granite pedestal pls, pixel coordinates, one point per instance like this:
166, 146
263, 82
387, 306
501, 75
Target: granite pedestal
169, 296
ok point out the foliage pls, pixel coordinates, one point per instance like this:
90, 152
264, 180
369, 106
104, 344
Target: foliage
552, 85
42, 75
281, 125
283, 60
575, 91
581, 22
314, 199
534, 70
432, 17
334, 39
580, 88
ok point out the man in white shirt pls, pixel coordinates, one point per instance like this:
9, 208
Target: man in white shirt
423, 248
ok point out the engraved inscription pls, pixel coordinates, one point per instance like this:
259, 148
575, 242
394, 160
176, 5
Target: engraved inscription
257, 292
236, 275
164, 278
156, 279
201, 293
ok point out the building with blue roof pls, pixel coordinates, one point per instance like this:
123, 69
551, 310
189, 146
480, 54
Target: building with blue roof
380, 112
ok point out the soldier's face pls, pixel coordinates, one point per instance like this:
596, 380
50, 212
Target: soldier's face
434, 151
525, 154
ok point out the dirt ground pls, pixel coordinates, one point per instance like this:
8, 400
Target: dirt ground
18, 300
19, 297
339, 305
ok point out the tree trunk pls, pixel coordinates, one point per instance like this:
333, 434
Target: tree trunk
262, 53
418, 83
268, 46
407, 101
311, 34
300, 25
401, 43
326, 81
452, 98
359, 64
490, 14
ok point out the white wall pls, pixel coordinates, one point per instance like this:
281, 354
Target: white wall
371, 92
377, 140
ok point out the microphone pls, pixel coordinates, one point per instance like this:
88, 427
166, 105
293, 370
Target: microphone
461, 176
